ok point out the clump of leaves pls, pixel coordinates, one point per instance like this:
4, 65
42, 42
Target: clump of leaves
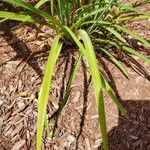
92, 26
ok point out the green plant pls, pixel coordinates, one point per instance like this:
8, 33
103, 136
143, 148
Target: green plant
90, 26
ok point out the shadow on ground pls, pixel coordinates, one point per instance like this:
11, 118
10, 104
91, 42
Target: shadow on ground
21, 49
132, 133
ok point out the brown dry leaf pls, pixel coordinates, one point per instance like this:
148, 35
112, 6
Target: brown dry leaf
18, 145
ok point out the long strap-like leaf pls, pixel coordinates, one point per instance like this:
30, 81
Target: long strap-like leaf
33, 9
18, 17
45, 88
89, 54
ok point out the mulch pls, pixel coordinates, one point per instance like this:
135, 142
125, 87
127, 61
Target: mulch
24, 51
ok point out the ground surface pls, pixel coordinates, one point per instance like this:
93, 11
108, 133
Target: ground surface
23, 53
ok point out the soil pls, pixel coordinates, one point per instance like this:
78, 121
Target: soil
23, 54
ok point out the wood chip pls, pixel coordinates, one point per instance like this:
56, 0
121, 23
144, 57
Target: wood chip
15, 138
18, 145
1, 123
1, 103
88, 145
17, 130
76, 97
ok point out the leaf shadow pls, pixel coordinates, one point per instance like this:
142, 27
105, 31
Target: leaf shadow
132, 133
22, 50
85, 102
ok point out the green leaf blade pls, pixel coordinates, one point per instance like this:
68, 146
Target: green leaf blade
89, 54
17, 17
134, 35
45, 88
